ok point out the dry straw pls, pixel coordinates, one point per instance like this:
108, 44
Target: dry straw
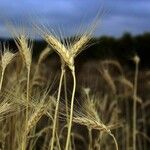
25, 48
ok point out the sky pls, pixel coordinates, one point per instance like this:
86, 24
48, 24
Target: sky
115, 16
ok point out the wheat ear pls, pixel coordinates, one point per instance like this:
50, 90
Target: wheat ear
92, 124
6, 58
79, 45
35, 117
44, 54
42, 57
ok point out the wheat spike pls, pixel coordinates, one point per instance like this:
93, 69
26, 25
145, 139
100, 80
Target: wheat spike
4, 108
6, 58
24, 47
44, 54
79, 45
91, 124
107, 77
35, 117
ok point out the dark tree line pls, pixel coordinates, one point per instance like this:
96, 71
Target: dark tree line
123, 48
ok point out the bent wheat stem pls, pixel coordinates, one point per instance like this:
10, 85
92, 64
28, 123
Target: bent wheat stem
71, 109
116, 144
57, 107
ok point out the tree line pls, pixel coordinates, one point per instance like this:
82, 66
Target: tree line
122, 48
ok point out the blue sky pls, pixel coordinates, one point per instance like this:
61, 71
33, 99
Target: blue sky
117, 16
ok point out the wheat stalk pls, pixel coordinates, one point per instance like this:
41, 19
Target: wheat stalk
136, 60
67, 54
57, 107
25, 47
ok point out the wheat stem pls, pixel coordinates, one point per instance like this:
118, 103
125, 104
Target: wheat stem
116, 144
136, 59
71, 109
90, 139
25, 134
2, 76
28, 91
66, 97
57, 107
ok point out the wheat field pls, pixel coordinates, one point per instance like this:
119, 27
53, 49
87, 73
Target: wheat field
99, 108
